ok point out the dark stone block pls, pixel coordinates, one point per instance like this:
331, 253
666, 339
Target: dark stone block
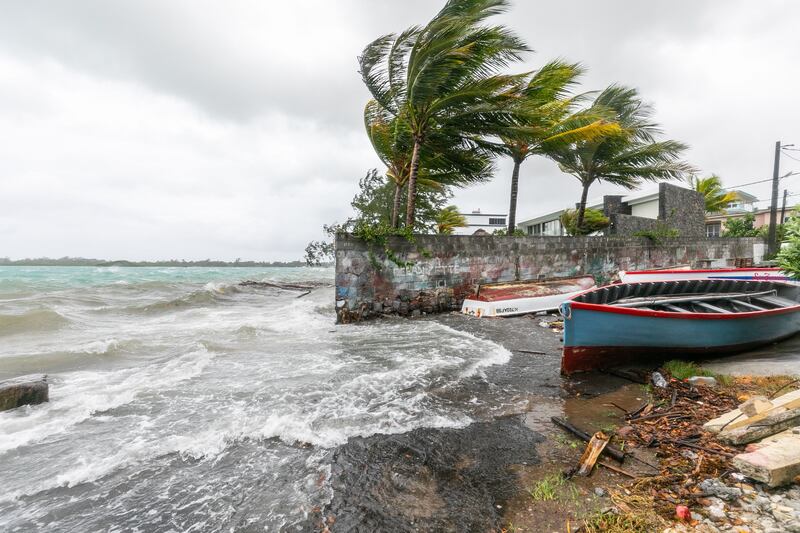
24, 390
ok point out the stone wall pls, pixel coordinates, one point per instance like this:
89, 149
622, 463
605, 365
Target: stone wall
678, 208
446, 268
682, 209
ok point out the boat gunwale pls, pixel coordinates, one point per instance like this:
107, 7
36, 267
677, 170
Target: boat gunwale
634, 311
605, 308
704, 270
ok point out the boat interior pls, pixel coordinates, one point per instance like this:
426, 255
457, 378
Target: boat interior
715, 296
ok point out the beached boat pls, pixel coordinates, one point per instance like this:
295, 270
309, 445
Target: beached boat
636, 322
522, 297
764, 274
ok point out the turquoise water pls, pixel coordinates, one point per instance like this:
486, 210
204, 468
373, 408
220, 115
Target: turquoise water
14, 279
182, 400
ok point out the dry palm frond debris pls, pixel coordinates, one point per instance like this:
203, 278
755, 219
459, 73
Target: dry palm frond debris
672, 423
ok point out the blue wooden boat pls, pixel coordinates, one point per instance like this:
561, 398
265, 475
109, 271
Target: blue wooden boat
641, 322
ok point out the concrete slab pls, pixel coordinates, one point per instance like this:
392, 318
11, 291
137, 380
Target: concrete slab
775, 464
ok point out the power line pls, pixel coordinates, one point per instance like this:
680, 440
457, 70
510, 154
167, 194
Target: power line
762, 181
790, 157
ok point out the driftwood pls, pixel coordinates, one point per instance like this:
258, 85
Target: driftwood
616, 469
592, 452
609, 450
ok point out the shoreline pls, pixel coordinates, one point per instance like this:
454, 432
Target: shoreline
475, 478
501, 472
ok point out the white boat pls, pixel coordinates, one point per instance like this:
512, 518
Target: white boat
523, 297
761, 274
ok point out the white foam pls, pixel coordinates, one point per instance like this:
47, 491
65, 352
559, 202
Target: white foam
76, 396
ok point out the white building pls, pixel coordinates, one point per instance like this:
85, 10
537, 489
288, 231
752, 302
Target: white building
482, 221
642, 204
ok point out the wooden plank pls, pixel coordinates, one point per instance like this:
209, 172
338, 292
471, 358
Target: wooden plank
724, 421
639, 302
748, 305
775, 423
713, 308
676, 308
777, 300
795, 404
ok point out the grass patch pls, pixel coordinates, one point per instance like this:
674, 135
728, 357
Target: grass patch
686, 369
635, 514
554, 487
617, 523
563, 440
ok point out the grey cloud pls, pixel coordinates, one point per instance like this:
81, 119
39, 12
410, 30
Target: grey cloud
195, 128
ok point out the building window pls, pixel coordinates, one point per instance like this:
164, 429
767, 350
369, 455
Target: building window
714, 229
497, 222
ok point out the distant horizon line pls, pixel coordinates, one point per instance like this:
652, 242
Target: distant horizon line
84, 261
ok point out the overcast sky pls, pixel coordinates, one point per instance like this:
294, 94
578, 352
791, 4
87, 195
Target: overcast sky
154, 129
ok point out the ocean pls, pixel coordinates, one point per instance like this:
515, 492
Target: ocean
182, 400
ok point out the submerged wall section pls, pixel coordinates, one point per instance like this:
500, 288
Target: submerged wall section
446, 268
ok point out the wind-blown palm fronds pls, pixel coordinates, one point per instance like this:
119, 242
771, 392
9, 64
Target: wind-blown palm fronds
441, 165
449, 219
715, 196
626, 158
548, 121
442, 81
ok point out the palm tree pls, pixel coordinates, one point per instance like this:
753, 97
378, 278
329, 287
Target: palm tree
442, 79
627, 158
715, 196
548, 121
448, 219
445, 166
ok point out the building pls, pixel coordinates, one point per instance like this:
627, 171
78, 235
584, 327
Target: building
482, 221
745, 205
675, 207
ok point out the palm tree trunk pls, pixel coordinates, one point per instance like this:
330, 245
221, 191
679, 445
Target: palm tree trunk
412, 186
396, 206
512, 208
582, 208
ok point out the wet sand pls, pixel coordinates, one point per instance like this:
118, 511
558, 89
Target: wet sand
478, 478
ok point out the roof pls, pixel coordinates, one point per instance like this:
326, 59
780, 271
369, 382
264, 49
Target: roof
745, 196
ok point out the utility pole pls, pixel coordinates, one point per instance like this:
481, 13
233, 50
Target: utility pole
783, 209
772, 245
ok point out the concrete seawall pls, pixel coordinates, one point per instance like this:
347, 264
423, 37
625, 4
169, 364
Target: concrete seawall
446, 268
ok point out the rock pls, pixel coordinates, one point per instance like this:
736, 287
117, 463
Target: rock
720, 490
717, 512
415, 313
705, 381
24, 390
600, 491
